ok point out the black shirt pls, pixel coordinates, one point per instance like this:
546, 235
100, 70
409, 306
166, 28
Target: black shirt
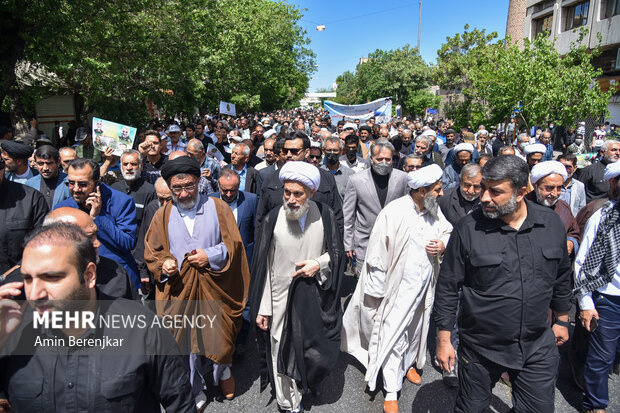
141, 191
152, 171
138, 376
22, 209
509, 279
381, 185
593, 177
48, 187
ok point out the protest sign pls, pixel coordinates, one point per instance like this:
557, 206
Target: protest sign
227, 108
381, 109
108, 134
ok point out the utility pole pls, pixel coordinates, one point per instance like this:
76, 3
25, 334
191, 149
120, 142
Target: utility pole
420, 26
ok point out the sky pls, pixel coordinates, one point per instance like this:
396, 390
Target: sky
354, 28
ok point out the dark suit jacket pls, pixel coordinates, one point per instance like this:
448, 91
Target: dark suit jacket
251, 180
272, 191
451, 206
247, 203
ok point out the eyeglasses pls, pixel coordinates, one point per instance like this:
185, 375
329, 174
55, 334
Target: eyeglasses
332, 151
292, 151
178, 190
315, 156
81, 185
412, 167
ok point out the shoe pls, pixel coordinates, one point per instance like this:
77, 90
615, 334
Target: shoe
228, 387
413, 376
450, 379
390, 406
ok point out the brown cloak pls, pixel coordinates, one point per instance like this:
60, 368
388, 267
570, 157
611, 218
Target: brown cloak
203, 291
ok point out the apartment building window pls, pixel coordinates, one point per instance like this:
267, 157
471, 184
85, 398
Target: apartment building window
612, 9
543, 24
576, 15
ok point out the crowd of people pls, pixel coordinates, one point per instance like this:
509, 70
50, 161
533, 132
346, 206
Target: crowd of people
475, 246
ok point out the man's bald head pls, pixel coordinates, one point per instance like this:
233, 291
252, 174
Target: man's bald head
195, 144
67, 215
176, 154
162, 190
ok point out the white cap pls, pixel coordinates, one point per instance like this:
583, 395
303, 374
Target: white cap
302, 172
535, 148
542, 169
424, 176
464, 146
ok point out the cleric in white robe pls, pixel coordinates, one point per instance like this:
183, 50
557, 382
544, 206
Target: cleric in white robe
295, 289
386, 323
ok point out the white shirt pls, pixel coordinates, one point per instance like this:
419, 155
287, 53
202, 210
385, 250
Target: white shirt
233, 205
189, 218
612, 288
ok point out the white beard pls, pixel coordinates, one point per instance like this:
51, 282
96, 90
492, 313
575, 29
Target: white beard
293, 214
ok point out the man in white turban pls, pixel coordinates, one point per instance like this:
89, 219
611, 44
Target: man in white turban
297, 267
534, 153
386, 323
463, 154
548, 180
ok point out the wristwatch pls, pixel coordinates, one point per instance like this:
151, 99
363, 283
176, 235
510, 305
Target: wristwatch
562, 323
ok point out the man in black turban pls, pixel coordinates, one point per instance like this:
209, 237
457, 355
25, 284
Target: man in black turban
15, 156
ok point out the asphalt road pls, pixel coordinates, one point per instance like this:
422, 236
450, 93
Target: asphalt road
345, 390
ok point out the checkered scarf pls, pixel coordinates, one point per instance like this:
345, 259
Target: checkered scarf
602, 259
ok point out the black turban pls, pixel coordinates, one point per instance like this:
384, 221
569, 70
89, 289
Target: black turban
366, 128
180, 165
17, 150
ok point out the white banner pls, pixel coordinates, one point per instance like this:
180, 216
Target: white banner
381, 109
227, 108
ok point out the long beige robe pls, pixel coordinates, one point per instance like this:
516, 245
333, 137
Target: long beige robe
383, 307
290, 245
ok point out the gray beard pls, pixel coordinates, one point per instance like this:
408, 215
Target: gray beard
432, 206
129, 178
186, 205
294, 214
545, 201
501, 211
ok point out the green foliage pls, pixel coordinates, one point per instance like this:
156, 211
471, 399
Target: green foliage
177, 53
397, 73
495, 77
419, 100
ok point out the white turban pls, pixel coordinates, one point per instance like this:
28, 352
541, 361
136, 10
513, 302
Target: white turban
612, 170
464, 147
349, 125
302, 172
535, 148
269, 133
429, 132
424, 176
542, 169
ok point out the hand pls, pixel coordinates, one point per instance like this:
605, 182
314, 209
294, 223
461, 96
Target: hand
435, 247
561, 334
146, 285
144, 148
570, 246
206, 173
262, 321
11, 312
94, 201
446, 356
586, 317
350, 254
169, 267
108, 154
198, 258
308, 268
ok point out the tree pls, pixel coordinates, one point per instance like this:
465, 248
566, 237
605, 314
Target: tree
177, 54
346, 93
396, 73
420, 100
548, 85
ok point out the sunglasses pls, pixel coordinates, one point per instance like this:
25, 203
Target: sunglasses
81, 185
292, 151
315, 156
